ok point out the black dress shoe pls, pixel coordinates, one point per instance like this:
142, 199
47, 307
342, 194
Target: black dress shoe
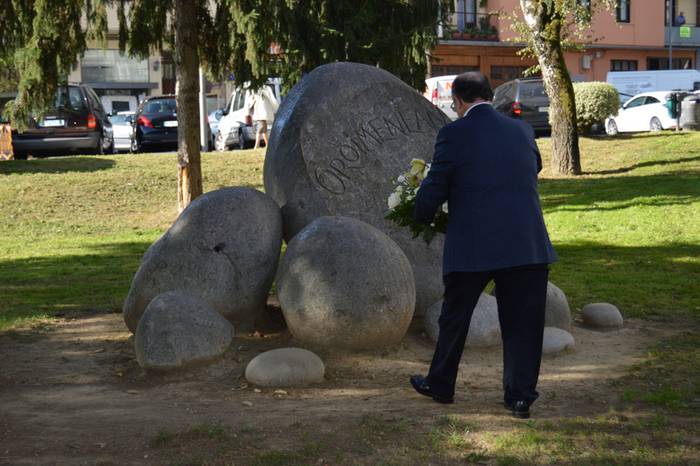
421, 386
519, 408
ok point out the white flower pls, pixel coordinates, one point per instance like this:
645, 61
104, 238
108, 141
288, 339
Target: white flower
394, 200
401, 179
444, 207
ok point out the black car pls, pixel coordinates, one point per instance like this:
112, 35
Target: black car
77, 122
155, 124
524, 99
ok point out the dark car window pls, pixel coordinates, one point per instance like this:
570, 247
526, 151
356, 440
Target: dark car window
651, 100
504, 92
532, 90
94, 100
70, 98
636, 102
120, 119
160, 106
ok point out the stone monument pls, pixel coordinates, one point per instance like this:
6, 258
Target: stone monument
339, 139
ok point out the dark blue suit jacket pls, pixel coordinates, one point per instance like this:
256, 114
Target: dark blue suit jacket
486, 165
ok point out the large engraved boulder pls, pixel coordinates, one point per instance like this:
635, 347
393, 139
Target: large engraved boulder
344, 284
339, 139
224, 247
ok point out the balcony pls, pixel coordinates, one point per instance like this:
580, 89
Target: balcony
471, 26
683, 36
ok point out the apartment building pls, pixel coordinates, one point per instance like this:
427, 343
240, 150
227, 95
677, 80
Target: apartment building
118, 78
636, 35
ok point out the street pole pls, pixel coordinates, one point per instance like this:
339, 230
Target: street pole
203, 120
670, 35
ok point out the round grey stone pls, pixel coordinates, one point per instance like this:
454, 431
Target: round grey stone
285, 367
601, 315
484, 328
556, 340
327, 157
224, 247
178, 330
344, 284
557, 312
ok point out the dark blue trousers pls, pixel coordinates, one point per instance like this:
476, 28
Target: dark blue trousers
521, 295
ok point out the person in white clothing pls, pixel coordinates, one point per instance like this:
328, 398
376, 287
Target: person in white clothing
263, 107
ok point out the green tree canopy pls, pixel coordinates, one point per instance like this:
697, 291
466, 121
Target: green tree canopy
45, 38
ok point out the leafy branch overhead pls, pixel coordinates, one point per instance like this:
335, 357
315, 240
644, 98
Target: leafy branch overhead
43, 39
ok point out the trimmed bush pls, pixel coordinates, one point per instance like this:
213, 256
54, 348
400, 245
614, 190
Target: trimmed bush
595, 101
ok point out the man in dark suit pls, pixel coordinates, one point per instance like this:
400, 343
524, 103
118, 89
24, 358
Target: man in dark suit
485, 166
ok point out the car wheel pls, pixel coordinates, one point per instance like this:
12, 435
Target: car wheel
135, 145
655, 125
219, 143
611, 128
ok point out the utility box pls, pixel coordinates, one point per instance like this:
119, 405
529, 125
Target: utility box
690, 113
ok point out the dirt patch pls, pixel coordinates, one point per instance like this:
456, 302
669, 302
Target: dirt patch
72, 393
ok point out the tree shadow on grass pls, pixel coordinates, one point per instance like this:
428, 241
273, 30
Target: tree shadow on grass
39, 286
56, 165
642, 281
615, 193
651, 163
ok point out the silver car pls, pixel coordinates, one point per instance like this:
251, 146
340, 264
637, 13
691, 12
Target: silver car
122, 129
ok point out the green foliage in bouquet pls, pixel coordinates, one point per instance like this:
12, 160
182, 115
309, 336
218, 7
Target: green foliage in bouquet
402, 203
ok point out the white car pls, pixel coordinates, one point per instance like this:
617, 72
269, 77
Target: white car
643, 112
122, 130
235, 127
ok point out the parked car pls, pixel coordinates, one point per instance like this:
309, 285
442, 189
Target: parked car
643, 112
122, 128
155, 124
119, 103
235, 126
213, 119
438, 90
524, 99
77, 122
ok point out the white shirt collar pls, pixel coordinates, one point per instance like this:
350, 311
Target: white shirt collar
475, 105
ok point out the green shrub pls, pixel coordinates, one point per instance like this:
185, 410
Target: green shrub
595, 101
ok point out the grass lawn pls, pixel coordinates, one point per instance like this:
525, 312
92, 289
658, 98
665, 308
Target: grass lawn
73, 231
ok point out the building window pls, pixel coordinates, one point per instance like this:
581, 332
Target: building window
111, 66
661, 63
585, 4
446, 70
623, 11
465, 12
623, 65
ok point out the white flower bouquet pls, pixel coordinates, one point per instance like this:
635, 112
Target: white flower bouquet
402, 203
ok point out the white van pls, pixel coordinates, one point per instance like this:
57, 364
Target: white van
235, 126
637, 82
114, 104
438, 90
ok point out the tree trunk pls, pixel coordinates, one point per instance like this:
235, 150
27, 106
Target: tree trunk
189, 176
545, 28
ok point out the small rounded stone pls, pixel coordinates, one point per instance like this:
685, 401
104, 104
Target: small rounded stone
484, 328
285, 367
601, 315
556, 340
